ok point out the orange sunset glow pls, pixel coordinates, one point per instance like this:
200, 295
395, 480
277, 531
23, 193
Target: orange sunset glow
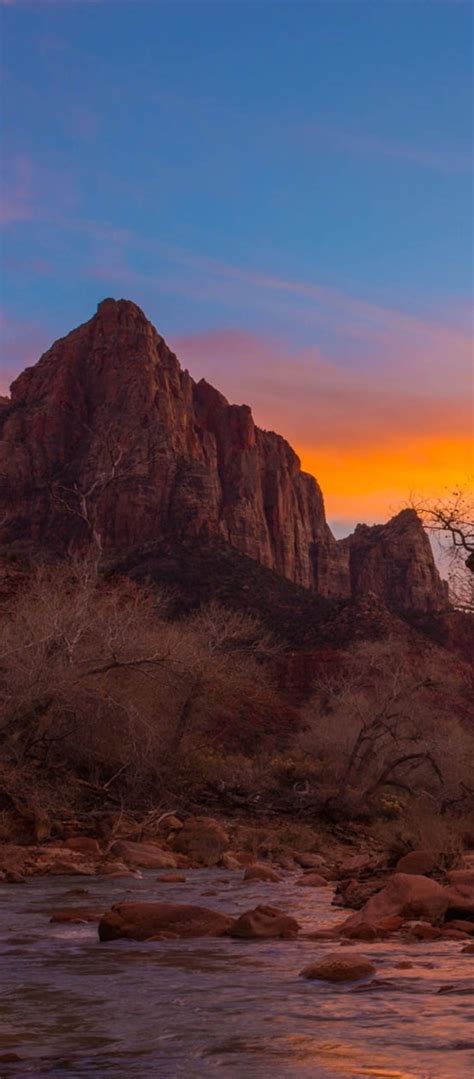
372, 482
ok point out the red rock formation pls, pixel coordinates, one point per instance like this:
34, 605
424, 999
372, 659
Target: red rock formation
107, 434
395, 562
107, 438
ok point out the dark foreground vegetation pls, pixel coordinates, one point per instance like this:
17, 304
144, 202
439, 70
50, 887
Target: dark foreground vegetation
123, 700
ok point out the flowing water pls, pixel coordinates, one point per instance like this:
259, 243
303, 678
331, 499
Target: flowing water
70, 1006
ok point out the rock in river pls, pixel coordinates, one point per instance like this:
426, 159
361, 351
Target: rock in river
146, 921
339, 967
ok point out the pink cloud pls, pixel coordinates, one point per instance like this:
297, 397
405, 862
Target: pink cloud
314, 401
22, 344
38, 266
431, 356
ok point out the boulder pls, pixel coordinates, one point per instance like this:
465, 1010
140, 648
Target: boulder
264, 923
356, 865
61, 861
463, 877
147, 921
339, 967
453, 934
369, 931
257, 871
312, 880
229, 862
202, 839
309, 861
461, 895
417, 861
355, 893
405, 896
415, 931
13, 876
84, 844
465, 925
285, 861
117, 869
143, 855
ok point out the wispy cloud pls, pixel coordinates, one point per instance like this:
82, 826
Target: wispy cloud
17, 194
356, 332
362, 143
32, 191
317, 304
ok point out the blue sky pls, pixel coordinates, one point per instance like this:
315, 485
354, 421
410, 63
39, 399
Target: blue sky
286, 188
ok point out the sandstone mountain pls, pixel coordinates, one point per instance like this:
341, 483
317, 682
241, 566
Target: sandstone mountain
107, 439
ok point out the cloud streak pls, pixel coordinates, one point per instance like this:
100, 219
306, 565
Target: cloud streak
373, 325
368, 145
355, 332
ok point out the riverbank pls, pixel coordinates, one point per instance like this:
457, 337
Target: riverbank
415, 895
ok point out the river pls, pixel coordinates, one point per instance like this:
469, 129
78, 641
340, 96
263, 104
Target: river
70, 1006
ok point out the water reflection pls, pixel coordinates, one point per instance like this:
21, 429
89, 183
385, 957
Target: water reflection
72, 1006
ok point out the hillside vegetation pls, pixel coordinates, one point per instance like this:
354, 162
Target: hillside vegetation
117, 695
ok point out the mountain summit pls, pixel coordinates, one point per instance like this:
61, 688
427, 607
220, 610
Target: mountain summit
108, 439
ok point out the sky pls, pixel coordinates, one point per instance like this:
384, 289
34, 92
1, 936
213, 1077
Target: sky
286, 188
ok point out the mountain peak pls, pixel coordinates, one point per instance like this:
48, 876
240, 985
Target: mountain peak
119, 308
107, 440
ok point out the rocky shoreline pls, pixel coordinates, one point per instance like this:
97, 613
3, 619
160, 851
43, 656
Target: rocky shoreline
413, 901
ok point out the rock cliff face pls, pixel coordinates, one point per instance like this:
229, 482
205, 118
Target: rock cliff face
395, 562
107, 438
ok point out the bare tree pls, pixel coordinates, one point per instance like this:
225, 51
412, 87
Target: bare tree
382, 725
95, 678
83, 500
451, 519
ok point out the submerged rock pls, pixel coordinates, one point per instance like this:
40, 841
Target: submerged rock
339, 967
